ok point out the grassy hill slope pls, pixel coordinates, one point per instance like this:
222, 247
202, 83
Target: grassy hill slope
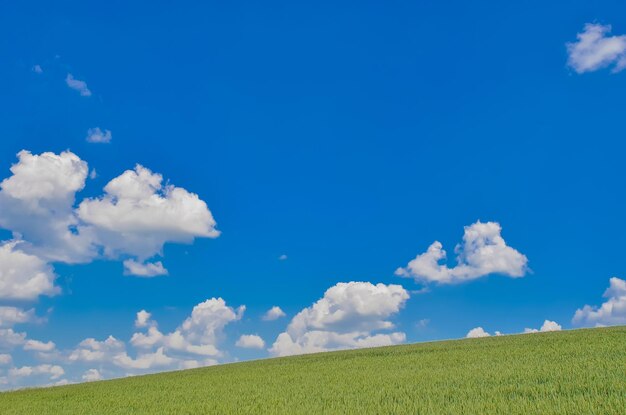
573, 372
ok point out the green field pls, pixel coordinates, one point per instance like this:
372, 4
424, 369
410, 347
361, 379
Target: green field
572, 372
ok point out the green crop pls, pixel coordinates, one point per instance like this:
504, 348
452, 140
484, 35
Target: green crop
570, 372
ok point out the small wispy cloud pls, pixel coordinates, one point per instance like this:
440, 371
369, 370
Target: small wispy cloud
37, 69
274, 313
77, 85
96, 135
595, 49
283, 257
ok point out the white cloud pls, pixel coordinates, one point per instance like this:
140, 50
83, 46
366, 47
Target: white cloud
37, 69
138, 215
10, 316
5, 359
134, 219
611, 313
23, 277
77, 85
207, 320
345, 317
483, 252
273, 313
595, 49
143, 319
547, 326
92, 375
92, 350
283, 257
199, 334
250, 341
9, 339
36, 204
96, 135
476, 333
53, 371
144, 360
39, 346
147, 269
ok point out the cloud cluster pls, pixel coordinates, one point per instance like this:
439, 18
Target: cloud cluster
199, 335
482, 252
610, 313
134, 218
595, 49
547, 326
131, 221
348, 316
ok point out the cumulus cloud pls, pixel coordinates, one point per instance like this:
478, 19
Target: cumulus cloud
53, 371
595, 49
96, 135
482, 252
92, 350
194, 343
346, 317
143, 360
143, 319
39, 346
9, 339
77, 85
134, 219
250, 341
547, 326
92, 375
138, 215
36, 204
476, 333
610, 313
274, 313
199, 334
146, 269
23, 277
10, 316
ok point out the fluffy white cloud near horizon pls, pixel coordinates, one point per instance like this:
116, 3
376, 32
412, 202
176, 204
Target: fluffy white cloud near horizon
482, 252
477, 332
250, 341
547, 326
610, 313
350, 315
198, 335
596, 49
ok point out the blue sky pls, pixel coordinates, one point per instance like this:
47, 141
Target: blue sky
347, 137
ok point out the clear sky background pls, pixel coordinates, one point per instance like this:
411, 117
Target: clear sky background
348, 137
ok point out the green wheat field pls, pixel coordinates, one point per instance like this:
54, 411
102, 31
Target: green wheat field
569, 372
